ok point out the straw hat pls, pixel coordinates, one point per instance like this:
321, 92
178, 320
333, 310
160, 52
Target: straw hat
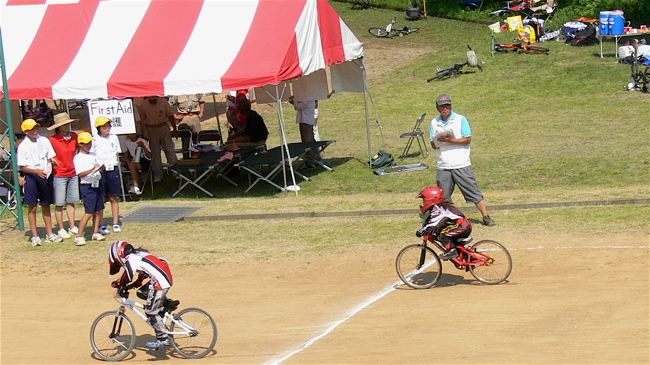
59, 120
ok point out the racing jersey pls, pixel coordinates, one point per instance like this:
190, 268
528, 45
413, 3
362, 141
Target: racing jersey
154, 267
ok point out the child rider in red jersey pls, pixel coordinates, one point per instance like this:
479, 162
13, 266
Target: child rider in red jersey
442, 220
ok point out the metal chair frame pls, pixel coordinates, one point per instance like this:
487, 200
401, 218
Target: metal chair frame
416, 135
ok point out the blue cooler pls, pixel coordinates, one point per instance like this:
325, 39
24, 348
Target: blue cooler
616, 22
604, 22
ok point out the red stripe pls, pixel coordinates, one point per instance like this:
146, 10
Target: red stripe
53, 49
270, 47
155, 48
330, 32
25, 2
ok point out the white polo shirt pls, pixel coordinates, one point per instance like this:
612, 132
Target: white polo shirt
106, 150
35, 155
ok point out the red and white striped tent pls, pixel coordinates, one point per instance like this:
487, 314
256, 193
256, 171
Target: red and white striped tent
73, 49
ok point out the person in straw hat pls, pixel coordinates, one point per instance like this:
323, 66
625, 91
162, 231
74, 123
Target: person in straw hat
66, 181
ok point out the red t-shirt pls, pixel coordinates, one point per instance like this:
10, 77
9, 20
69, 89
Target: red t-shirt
65, 152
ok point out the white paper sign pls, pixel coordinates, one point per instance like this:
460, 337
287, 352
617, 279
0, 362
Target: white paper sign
120, 111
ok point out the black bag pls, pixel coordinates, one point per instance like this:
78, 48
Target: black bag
382, 159
585, 37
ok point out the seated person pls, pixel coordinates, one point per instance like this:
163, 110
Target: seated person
254, 133
137, 161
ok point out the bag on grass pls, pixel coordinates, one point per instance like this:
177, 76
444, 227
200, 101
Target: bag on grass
382, 159
585, 37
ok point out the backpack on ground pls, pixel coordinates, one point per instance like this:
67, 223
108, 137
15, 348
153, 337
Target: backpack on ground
584, 37
382, 159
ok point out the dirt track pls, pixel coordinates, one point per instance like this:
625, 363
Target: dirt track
578, 301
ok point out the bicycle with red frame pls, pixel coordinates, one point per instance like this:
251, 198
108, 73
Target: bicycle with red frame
518, 47
419, 266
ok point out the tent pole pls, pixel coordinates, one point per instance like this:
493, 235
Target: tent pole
278, 100
365, 103
216, 113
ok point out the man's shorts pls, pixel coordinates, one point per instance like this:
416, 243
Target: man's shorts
111, 182
38, 190
66, 190
93, 198
464, 178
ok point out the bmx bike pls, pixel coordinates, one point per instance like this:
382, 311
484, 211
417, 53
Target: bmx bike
456, 69
192, 331
518, 47
390, 31
420, 267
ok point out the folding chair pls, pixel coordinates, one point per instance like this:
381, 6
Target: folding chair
511, 8
415, 135
210, 135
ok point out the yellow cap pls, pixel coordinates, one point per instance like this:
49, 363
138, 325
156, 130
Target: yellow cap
100, 121
84, 137
28, 125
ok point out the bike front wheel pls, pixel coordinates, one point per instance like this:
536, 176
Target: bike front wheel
537, 49
495, 264
200, 336
378, 32
418, 266
501, 48
443, 74
112, 336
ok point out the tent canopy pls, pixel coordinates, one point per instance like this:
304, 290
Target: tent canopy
74, 49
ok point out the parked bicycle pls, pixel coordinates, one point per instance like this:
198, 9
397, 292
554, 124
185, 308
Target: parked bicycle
640, 78
457, 68
518, 47
192, 331
390, 31
420, 267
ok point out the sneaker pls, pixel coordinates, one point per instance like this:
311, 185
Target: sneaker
103, 230
488, 221
137, 190
451, 254
53, 238
158, 344
73, 230
98, 237
117, 228
36, 241
79, 241
63, 234
132, 189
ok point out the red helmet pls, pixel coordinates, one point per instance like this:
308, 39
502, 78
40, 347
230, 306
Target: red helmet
430, 195
117, 254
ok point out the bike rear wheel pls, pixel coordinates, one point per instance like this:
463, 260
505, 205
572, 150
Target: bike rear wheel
418, 266
378, 32
202, 337
112, 336
443, 74
537, 49
498, 266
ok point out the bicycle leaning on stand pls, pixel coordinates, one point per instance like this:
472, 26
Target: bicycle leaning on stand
390, 31
420, 267
192, 331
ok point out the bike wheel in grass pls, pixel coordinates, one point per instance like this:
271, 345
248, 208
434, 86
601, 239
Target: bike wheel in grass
202, 337
418, 266
444, 74
112, 336
646, 80
497, 264
537, 49
504, 49
378, 32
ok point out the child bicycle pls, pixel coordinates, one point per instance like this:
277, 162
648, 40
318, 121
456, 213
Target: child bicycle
457, 68
420, 267
518, 47
390, 31
192, 331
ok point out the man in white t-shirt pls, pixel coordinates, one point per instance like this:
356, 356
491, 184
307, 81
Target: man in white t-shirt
450, 136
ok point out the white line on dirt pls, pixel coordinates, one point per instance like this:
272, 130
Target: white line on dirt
392, 287
331, 328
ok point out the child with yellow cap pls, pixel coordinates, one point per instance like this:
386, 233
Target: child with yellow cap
89, 169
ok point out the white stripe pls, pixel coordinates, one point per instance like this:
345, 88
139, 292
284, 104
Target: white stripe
215, 42
19, 27
309, 42
352, 48
396, 285
110, 33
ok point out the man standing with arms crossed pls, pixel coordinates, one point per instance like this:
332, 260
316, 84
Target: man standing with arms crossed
450, 136
156, 117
